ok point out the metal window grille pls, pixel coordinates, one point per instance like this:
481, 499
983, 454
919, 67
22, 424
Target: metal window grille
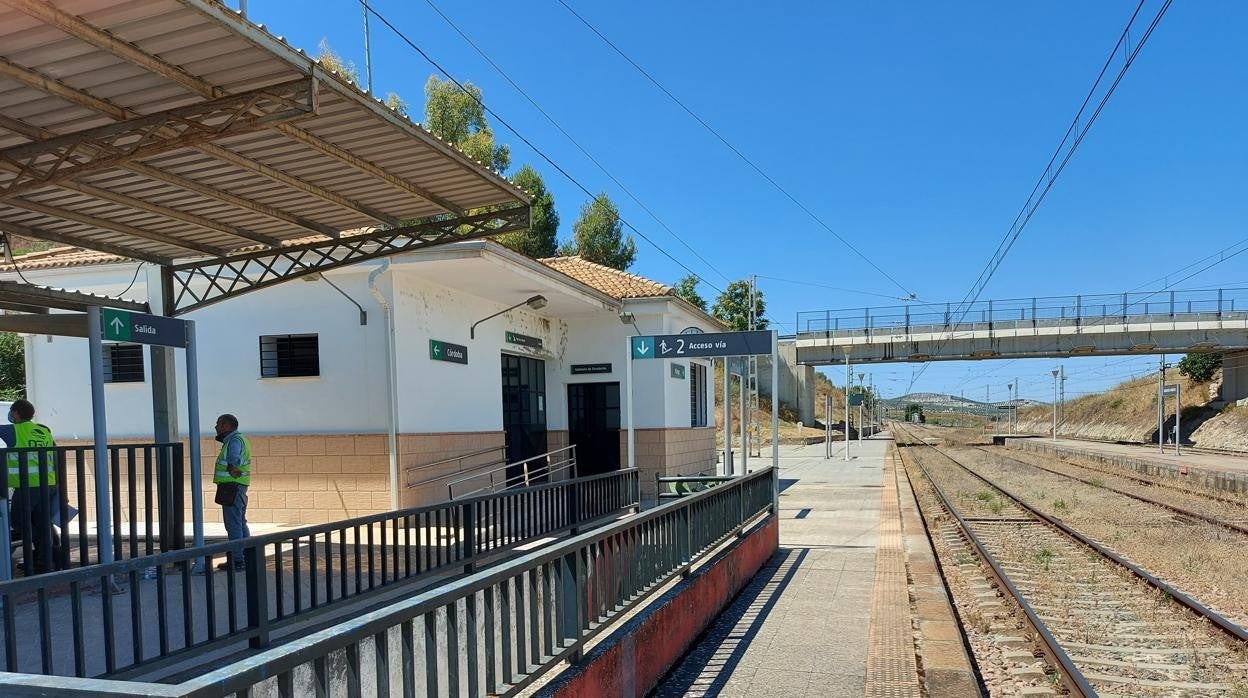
697, 395
289, 355
123, 363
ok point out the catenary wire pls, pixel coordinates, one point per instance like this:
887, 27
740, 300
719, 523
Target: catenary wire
1036, 199
737, 151
540, 153
523, 93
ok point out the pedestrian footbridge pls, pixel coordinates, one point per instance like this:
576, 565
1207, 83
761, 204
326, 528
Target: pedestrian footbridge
1155, 322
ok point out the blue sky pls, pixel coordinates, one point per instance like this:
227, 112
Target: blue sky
916, 130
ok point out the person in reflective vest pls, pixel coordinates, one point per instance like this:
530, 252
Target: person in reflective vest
33, 496
232, 476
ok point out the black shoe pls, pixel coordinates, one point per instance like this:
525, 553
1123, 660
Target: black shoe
236, 566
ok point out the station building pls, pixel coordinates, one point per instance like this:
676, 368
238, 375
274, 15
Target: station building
310, 367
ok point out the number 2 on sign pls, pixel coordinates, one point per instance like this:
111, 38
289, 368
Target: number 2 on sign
680, 349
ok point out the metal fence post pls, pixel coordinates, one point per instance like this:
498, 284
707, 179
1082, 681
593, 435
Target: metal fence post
469, 518
257, 580
686, 541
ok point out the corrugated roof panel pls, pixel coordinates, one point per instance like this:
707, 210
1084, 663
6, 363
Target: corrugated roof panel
212, 44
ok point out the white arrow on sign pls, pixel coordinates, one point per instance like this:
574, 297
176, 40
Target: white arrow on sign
117, 325
642, 348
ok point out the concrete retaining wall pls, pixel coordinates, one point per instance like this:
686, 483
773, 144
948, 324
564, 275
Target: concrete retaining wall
1212, 479
632, 660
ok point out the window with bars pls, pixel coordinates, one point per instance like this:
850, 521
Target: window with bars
289, 355
123, 363
697, 395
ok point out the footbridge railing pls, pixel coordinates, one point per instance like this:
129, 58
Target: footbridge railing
490, 633
1053, 311
137, 616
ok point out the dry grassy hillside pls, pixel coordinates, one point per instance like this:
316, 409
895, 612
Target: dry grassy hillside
1126, 412
789, 431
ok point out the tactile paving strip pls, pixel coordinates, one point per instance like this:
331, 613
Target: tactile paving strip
892, 671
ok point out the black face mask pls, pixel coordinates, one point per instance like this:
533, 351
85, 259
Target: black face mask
221, 437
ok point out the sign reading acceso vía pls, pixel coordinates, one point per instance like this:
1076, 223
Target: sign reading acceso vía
671, 346
124, 326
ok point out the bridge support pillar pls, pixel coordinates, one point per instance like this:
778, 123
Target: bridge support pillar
1235, 377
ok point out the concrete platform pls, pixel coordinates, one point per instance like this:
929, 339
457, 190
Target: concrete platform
829, 615
1226, 472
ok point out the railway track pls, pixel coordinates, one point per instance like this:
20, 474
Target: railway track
1103, 625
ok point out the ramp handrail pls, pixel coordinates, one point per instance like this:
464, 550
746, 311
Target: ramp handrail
540, 467
500, 450
313, 569
458, 637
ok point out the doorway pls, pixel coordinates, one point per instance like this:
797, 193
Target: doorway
594, 426
524, 408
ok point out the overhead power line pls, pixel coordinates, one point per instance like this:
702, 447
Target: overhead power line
1061, 156
737, 151
835, 288
506, 124
497, 68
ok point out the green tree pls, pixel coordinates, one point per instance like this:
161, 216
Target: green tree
1200, 367
458, 116
336, 64
12, 366
540, 239
913, 409
733, 307
598, 235
687, 288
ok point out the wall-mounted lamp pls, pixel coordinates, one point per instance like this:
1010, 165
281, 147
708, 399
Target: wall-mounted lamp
534, 302
317, 276
629, 319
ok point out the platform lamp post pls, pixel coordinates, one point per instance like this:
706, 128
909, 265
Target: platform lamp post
861, 397
1055, 372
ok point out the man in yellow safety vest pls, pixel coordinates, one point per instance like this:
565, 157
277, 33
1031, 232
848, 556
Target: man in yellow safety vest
232, 476
32, 505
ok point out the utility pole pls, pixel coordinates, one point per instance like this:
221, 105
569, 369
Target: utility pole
1062, 400
1161, 399
1055, 404
1009, 391
849, 378
755, 431
861, 397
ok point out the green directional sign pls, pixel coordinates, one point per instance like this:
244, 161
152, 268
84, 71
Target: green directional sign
643, 347
124, 326
445, 351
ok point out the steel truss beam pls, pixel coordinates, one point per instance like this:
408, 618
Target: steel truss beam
51, 161
198, 284
20, 295
84, 99
38, 133
80, 29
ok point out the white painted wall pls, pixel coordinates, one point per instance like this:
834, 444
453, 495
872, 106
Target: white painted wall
350, 394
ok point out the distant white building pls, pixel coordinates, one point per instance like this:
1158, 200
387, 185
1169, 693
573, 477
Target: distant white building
305, 366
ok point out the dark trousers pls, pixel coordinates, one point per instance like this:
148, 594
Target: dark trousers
31, 518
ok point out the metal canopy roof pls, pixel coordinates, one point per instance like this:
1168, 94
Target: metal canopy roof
164, 129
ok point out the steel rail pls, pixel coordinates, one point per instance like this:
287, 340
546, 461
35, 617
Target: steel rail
1200, 609
1240, 528
1069, 674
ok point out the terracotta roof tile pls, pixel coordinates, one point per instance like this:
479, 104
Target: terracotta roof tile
60, 257
613, 282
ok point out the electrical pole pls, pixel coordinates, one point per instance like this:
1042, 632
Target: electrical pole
1161, 399
1009, 391
1062, 400
849, 378
1055, 404
861, 398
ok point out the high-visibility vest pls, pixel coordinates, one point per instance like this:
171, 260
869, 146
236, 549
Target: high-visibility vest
31, 435
221, 474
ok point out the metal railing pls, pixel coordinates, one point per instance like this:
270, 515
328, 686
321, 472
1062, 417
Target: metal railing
290, 577
678, 486
146, 487
501, 459
490, 633
1054, 311
541, 468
